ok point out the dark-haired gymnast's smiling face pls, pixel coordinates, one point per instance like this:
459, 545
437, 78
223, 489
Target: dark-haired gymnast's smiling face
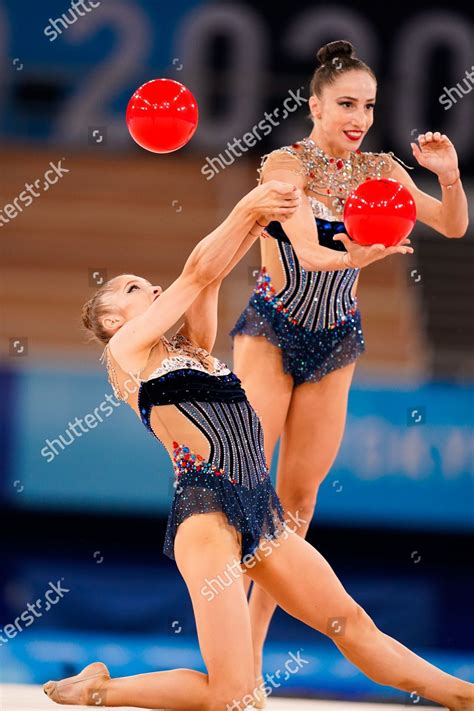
344, 112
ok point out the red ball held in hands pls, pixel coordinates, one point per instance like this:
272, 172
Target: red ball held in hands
379, 211
162, 116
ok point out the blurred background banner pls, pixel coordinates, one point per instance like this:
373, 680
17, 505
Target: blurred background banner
406, 460
65, 74
84, 493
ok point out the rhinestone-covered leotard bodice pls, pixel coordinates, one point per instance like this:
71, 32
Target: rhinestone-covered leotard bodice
217, 405
313, 317
314, 299
233, 477
311, 299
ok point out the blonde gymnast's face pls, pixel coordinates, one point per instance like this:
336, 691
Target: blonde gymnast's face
344, 113
132, 295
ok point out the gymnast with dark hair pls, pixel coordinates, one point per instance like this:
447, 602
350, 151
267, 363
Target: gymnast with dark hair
301, 333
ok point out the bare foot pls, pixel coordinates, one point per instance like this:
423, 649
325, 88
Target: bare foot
83, 689
466, 703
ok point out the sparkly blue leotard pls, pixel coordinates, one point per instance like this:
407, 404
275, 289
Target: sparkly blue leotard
234, 479
313, 319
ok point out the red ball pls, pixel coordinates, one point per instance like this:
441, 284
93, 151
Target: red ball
379, 211
162, 115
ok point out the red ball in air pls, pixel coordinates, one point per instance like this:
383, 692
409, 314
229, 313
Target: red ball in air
162, 115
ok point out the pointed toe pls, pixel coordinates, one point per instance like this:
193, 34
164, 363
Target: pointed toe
49, 689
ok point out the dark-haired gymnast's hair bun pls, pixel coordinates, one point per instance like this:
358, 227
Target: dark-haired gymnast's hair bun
339, 48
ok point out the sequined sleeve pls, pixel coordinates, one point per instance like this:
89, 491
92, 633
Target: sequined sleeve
285, 158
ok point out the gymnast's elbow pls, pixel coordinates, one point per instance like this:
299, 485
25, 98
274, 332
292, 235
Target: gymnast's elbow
456, 231
306, 264
199, 270
310, 262
304, 256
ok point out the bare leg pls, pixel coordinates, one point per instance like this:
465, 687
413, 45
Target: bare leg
205, 546
305, 586
258, 364
309, 445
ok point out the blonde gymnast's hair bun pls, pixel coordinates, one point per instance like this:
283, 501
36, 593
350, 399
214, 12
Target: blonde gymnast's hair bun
92, 311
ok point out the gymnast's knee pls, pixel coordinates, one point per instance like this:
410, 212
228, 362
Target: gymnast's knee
232, 695
354, 626
299, 510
